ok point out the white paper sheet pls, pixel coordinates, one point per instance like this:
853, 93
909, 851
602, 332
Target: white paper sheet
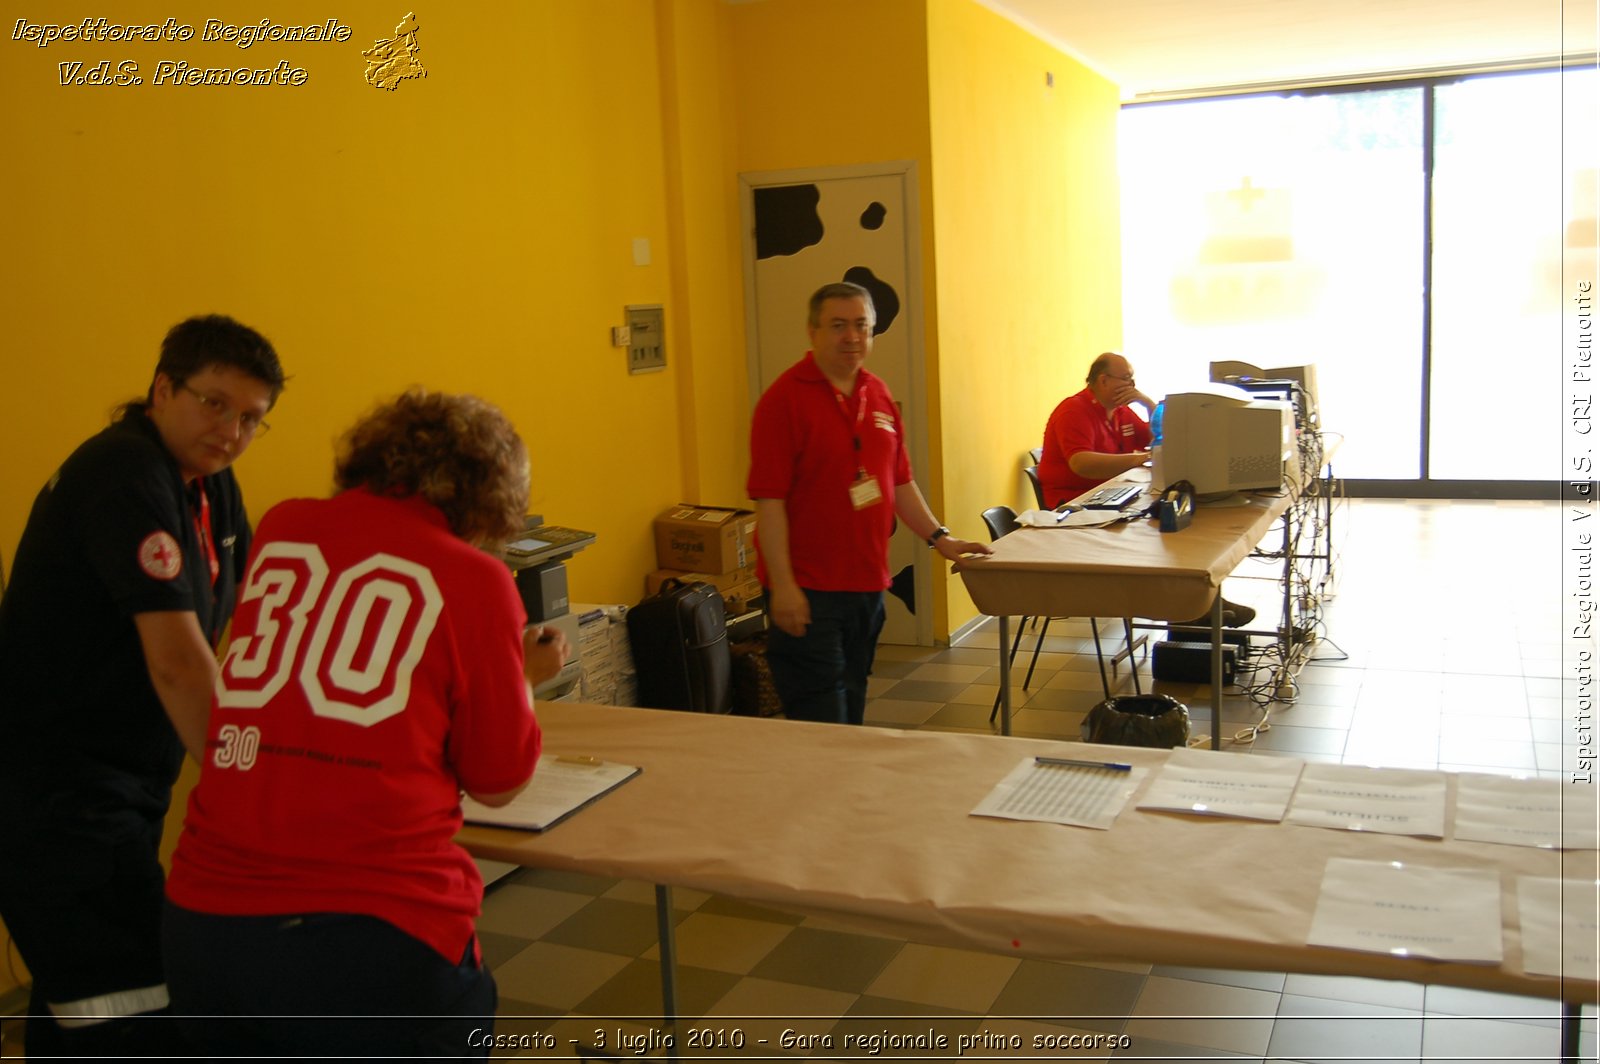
1409, 910
1218, 783
1548, 813
1354, 798
1560, 926
1062, 794
561, 785
1073, 519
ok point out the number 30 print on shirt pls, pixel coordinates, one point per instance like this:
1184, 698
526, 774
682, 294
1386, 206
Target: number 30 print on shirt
370, 633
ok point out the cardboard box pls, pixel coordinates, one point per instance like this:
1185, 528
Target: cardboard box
723, 582
705, 539
743, 597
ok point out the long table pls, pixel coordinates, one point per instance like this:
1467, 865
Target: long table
1127, 569
870, 827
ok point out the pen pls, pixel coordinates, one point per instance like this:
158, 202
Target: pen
578, 759
1115, 766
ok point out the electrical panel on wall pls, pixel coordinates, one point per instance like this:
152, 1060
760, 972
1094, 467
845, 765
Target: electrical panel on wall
647, 338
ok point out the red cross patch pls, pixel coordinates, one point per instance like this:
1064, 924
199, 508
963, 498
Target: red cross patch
160, 557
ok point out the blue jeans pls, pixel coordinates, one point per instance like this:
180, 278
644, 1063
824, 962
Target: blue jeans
321, 985
822, 675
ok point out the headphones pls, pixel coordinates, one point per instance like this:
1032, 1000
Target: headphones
1174, 509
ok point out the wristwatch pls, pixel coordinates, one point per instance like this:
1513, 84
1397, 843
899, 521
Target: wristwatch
937, 534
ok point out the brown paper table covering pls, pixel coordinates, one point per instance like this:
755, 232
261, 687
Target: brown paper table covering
871, 828
1129, 569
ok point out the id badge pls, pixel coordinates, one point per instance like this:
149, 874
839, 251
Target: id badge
865, 493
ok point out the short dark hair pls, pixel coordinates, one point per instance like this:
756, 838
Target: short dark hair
838, 290
217, 340
458, 452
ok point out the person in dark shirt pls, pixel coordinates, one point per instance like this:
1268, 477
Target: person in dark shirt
121, 589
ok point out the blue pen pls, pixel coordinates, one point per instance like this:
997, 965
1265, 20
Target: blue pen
1115, 766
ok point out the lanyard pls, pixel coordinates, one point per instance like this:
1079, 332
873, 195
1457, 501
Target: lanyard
855, 428
202, 529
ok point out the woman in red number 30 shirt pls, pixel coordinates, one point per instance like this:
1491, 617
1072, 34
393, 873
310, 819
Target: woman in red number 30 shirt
378, 667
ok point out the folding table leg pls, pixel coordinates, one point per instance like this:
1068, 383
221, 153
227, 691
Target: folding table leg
1005, 678
669, 966
1216, 672
1133, 662
1099, 655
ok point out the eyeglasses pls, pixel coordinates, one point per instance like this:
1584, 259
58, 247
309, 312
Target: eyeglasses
250, 424
1119, 377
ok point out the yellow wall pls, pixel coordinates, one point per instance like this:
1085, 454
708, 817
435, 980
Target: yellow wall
707, 284
471, 231
1028, 287
1020, 260
843, 83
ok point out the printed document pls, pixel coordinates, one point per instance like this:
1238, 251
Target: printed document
1548, 813
1081, 795
1559, 926
1218, 783
561, 786
1409, 910
1394, 801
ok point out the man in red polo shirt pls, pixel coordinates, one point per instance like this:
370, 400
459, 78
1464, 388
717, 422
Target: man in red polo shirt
1095, 435
829, 473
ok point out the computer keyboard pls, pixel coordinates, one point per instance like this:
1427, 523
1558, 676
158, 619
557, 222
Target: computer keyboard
1114, 497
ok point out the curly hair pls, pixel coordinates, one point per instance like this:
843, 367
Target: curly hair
458, 452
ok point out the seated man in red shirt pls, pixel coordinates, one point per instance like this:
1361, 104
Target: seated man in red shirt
1095, 435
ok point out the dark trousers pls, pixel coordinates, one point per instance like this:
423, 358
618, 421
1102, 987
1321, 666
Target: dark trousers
823, 675
322, 985
85, 913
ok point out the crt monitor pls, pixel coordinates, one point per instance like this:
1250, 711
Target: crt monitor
1221, 440
1300, 381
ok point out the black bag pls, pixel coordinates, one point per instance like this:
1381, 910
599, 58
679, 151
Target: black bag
754, 694
680, 648
1138, 720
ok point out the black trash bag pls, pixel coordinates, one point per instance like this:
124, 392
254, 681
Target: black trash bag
1138, 720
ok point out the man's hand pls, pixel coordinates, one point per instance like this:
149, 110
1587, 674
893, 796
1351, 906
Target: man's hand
950, 549
1125, 393
789, 609
544, 651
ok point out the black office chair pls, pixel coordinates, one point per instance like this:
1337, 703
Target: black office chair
1038, 489
1002, 521
1037, 454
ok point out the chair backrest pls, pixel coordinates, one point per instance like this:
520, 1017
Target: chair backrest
1037, 454
1038, 489
1001, 520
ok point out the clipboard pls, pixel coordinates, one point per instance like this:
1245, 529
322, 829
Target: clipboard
561, 786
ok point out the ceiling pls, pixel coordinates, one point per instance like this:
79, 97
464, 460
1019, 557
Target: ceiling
1159, 48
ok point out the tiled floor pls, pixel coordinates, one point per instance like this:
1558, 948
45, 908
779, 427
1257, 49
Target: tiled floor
1442, 648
